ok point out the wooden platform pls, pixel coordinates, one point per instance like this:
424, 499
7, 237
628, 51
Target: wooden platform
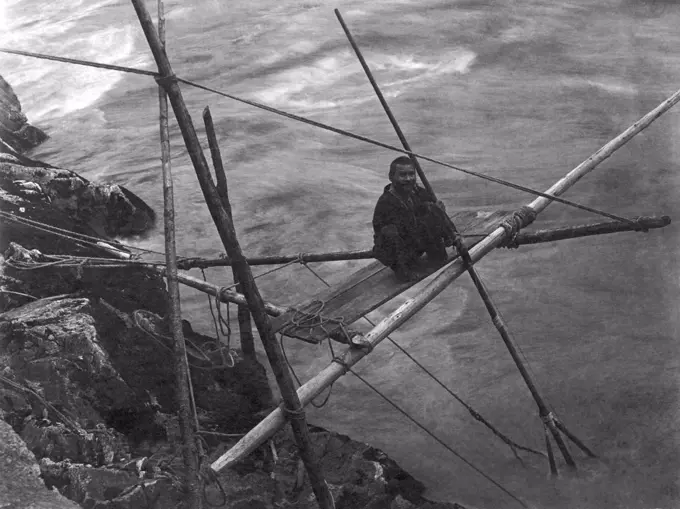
370, 287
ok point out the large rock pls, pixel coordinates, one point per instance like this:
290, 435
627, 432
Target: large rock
20, 484
126, 288
16, 134
87, 380
42, 195
359, 477
53, 346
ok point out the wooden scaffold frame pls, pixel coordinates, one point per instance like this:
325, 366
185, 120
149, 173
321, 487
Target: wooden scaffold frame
246, 294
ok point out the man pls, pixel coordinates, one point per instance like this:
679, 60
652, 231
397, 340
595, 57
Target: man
407, 223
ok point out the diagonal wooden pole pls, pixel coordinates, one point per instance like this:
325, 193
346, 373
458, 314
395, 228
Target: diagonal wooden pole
523, 238
493, 311
225, 228
186, 424
244, 325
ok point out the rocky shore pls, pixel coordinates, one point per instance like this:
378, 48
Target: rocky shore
87, 398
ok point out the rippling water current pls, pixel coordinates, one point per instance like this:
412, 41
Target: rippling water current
519, 89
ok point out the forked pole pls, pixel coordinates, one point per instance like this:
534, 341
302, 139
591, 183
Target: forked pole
310, 390
192, 478
244, 325
225, 228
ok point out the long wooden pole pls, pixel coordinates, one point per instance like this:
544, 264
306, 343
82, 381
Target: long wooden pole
333, 256
223, 294
493, 311
244, 325
186, 424
523, 238
225, 227
310, 390
587, 230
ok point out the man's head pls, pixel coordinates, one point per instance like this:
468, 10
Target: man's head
403, 174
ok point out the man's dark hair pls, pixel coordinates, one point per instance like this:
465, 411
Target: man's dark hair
399, 161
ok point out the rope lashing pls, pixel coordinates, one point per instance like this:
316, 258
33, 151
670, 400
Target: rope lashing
292, 413
548, 418
209, 476
498, 322
164, 81
512, 225
297, 379
640, 227
346, 367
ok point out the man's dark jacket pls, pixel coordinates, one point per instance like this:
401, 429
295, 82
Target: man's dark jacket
390, 210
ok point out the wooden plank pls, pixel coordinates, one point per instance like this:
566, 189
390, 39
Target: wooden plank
369, 288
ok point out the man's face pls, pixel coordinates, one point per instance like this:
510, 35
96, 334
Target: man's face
405, 177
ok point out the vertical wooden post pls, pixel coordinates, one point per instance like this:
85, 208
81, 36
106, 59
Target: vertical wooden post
225, 228
186, 424
544, 413
244, 325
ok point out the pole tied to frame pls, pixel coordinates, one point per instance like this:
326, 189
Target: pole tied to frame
166, 81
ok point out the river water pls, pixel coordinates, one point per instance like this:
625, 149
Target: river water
519, 89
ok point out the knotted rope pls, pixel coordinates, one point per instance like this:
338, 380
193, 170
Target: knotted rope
221, 326
164, 81
311, 319
512, 225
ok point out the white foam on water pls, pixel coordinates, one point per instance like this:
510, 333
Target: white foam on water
302, 87
526, 29
458, 60
320, 83
177, 13
73, 28
614, 86
609, 84
354, 12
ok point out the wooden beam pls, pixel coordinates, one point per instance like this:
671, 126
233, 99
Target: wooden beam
192, 480
586, 230
535, 237
223, 294
310, 390
244, 325
333, 256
